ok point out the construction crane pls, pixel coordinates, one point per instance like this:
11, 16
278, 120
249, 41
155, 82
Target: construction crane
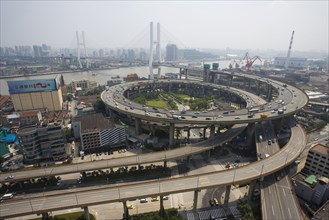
250, 61
286, 64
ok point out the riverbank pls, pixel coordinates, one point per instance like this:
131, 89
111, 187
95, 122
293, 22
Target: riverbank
56, 72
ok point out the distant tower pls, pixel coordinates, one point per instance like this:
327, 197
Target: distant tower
84, 46
286, 65
158, 48
151, 52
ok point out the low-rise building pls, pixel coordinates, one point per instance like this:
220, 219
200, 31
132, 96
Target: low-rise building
43, 142
317, 161
95, 131
82, 84
311, 188
30, 117
294, 62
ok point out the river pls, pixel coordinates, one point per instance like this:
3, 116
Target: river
102, 76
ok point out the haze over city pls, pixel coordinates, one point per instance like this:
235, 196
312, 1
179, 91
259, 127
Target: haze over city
212, 24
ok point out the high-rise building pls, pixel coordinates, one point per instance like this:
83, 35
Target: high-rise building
317, 161
171, 52
44, 142
36, 94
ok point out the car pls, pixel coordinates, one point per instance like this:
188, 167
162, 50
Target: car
172, 111
267, 155
130, 206
165, 197
220, 116
316, 139
269, 142
9, 177
196, 113
143, 200
154, 199
225, 113
273, 141
211, 202
204, 111
208, 118
216, 201
232, 110
237, 117
193, 116
297, 162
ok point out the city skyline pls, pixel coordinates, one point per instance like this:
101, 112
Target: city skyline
125, 24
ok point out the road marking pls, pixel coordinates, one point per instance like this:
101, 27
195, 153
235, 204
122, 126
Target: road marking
289, 212
284, 193
272, 210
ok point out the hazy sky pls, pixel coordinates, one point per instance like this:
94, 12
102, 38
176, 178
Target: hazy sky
196, 24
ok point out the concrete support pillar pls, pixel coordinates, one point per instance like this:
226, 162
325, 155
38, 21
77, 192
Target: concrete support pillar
257, 87
212, 131
169, 87
188, 134
188, 160
227, 195
165, 164
86, 213
162, 212
269, 93
195, 200
203, 90
249, 84
139, 90
218, 129
250, 133
208, 155
171, 134
204, 133
186, 74
125, 211
231, 80
128, 94
251, 189
138, 129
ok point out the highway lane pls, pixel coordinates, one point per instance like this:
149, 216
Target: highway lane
130, 160
124, 192
278, 202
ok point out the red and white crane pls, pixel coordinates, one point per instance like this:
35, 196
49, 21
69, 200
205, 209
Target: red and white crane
250, 61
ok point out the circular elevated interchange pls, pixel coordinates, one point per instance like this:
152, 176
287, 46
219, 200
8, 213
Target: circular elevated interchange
290, 100
294, 99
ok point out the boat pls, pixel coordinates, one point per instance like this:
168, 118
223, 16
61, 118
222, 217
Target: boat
115, 77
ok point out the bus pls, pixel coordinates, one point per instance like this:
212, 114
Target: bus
253, 110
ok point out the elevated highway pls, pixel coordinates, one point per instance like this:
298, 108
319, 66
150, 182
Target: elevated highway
130, 160
124, 192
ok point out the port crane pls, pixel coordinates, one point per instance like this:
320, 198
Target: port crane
250, 61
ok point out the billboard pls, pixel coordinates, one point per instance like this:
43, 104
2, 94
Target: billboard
37, 85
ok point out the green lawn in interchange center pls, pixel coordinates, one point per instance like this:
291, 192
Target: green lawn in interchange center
158, 103
183, 96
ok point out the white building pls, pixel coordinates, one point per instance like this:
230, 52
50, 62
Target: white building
294, 62
95, 131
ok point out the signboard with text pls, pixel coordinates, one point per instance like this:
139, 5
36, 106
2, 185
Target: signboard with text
38, 85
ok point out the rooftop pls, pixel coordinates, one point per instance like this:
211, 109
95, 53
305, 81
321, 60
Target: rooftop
28, 113
323, 212
322, 149
94, 122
